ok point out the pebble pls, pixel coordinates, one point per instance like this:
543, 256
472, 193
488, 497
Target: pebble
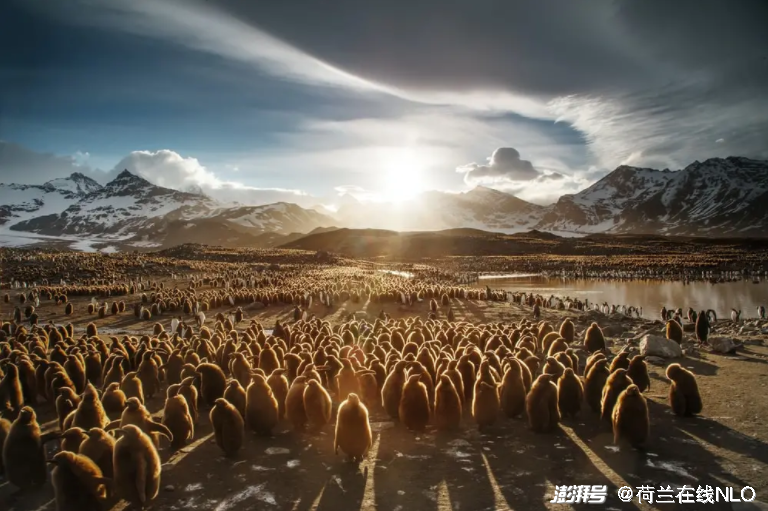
169, 487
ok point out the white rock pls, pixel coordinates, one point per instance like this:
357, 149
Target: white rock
660, 346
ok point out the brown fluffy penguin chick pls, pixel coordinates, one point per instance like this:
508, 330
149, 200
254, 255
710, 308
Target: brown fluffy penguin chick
23, 455
262, 410
317, 404
99, 447
414, 404
570, 394
113, 401
616, 383
591, 360
541, 405
228, 427
568, 331
294, 404
630, 418
594, 340
72, 438
638, 372
136, 467
278, 382
512, 394
553, 368
448, 408
235, 394
178, 420
485, 405
212, 382
132, 387
674, 331
620, 361
66, 403
594, 384
353, 430
347, 380
392, 391
684, 397
136, 414
78, 483
90, 412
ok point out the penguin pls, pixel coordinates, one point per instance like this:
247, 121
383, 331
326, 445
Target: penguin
414, 409
448, 405
99, 446
178, 420
486, 404
78, 483
541, 405
616, 383
570, 394
353, 429
23, 455
638, 373
262, 411
317, 405
684, 396
630, 418
228, 427
136, 467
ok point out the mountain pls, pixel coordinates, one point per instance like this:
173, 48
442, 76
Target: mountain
719, 197
131, 210
481, 208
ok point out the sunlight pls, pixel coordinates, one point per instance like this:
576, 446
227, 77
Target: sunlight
402, 176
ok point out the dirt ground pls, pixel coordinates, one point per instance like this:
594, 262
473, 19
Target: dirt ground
507, 467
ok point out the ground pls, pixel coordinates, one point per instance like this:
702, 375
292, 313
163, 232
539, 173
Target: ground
505, 467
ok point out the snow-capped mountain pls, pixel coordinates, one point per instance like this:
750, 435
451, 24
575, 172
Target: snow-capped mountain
718, 197
131, 209
480, 208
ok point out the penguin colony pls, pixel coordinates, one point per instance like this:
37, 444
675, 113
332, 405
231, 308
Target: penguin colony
308, 373
228, 371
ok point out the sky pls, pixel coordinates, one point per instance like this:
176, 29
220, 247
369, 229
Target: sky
306, 100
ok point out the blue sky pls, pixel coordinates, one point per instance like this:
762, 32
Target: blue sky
266, 101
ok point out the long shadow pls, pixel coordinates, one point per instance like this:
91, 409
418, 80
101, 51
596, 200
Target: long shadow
406, 473
671, 457
527, 466
698, 366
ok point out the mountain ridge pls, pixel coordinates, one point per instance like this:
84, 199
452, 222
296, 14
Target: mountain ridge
719, 197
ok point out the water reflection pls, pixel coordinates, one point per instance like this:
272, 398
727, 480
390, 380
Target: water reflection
651, 295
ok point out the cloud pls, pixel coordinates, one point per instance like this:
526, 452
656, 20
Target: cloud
21, 165
506, 171
204, 27
504, 165
170, 169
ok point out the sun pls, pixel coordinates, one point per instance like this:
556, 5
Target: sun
402, 175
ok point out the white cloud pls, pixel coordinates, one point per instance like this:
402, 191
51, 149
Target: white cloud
169, 169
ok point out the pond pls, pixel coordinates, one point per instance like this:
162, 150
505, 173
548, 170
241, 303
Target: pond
651, 295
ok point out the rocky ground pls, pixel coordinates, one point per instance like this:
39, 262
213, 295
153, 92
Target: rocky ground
506, 467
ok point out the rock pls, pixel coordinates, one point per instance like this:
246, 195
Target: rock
628, 335
689, 327
660, 346
692, 352
169, 487
723, 344
257, 305
657, 361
